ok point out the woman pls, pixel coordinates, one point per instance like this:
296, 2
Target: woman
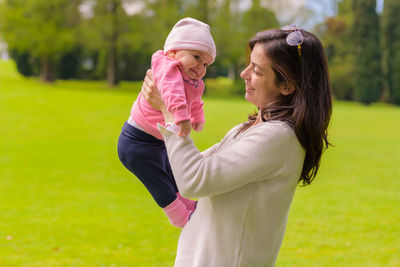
245, 183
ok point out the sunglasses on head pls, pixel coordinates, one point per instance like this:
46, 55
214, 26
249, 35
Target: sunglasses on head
294, 38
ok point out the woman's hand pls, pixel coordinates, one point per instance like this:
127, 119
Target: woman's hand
152, 95
184, 128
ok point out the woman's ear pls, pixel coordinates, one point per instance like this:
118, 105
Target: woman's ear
287, 88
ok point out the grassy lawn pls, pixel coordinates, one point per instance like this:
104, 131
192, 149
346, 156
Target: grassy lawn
66, 200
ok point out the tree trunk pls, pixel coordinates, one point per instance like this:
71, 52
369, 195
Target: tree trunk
232, 71
111, 67
367, 53
390, 51
112, 76
47, 70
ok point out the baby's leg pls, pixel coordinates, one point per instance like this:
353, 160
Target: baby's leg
146, 157
190, 204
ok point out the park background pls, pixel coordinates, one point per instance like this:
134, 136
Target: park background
69, 72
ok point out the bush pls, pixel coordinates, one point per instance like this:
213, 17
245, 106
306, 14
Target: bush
342, 80
26, 64
224, 87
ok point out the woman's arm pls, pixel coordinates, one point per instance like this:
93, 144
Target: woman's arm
261, 153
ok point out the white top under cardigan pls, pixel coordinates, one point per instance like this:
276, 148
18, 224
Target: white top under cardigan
245, 186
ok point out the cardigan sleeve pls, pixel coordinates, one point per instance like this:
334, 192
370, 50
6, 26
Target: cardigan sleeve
257, 154
215, 147
210, 150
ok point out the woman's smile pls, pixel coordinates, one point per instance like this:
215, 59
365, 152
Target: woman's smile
249, 88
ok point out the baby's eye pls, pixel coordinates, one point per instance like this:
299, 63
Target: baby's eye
197, 57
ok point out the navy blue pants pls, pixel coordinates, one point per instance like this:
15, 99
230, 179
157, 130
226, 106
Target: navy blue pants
146, 157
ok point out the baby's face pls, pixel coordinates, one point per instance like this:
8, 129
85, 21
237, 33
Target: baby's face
194, 62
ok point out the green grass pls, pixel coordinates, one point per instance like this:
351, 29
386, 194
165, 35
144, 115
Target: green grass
66, 200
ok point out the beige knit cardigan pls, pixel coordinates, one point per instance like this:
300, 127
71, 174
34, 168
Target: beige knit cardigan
244, 185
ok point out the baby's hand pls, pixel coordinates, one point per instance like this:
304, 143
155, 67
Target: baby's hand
185, 127
198, 126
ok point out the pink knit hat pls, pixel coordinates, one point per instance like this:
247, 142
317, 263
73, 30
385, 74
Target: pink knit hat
191, 34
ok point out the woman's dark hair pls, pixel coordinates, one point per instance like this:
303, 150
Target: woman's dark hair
308, 109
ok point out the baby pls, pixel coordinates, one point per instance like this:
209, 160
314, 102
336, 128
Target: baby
177, 70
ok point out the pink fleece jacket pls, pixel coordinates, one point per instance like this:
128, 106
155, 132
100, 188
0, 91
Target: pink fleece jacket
181, 95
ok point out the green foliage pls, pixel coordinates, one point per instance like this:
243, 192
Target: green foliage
164, 14
391, 49
223, 87
345, 11
364, 64
68, 201
200, 9
226, 34
341, 74
119, 44
367, 56
113, 43
256, 19
232, 28
105, 27
69, 66
336, 35
40, 28
26, 65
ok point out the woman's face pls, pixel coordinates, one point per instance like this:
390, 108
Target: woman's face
260, 78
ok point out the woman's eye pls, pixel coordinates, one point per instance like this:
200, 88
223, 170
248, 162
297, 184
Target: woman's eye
256, 72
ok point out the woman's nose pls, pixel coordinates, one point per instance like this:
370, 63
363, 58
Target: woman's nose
244, 72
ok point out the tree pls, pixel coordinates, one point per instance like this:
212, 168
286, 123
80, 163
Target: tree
252, 20
199, 9
365, 42
163, 14
144, 33
42, 29
102, 31
226, 33
391, 49
335, 33
257, 18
